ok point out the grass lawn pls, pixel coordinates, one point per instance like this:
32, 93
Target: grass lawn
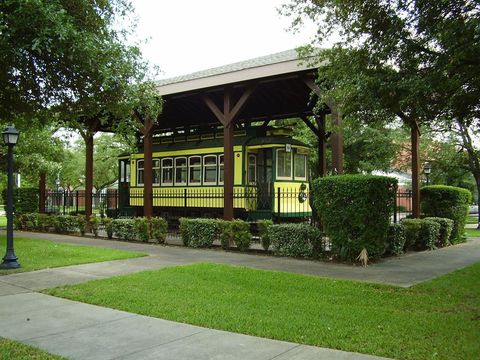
34, 254
472, 232
439, 319
14, 350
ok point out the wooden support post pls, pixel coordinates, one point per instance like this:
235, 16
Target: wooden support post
88, 173
41, 192
415, 137
148, 169
227, 118
322, 160
337, 142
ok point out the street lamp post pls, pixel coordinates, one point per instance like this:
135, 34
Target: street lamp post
10, 138
427, 169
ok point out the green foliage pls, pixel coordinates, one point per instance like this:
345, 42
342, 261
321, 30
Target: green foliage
198, 232
396, 239
94, 223
412, 232
65, 224
45, 222
25, 221
235, 232
263, 226
124, 229
356, 211
298, 240
108, 224
448, 202
429, 235
158, 228
140, 225
82, 224
446, 228
25, 200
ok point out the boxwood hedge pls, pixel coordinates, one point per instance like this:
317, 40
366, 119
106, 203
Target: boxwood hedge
447, 202
355, 211
298, 240
198, 232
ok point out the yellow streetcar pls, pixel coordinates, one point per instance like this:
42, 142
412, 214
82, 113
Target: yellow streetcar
270, 175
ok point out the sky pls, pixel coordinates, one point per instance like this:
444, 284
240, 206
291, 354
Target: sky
185, 36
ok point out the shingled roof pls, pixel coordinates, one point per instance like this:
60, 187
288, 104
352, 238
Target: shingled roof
265, 66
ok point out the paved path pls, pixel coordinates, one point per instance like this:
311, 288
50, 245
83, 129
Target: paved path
81, 331
402, 271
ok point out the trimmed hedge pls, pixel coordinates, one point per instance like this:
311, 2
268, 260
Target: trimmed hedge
429, 235
25, 200
298, 240
124, 229
446, 227
198, 233
396, 239
447, 202
355, 211
412, 232
64, 224
108, 224
263, 226
235, 232
158, 230
141, 227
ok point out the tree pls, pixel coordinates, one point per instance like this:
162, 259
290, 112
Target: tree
413, 60
63, 55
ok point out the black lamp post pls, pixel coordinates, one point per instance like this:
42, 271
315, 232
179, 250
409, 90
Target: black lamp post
10, 138
427, 169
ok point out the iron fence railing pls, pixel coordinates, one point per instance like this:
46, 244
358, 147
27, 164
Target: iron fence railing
256, 201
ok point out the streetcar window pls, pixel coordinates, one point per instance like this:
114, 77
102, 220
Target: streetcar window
167, 171
220, 169
181, 171
284, 164
195, 170
140, 172
300, 166
210, 169
252, 168
127, 172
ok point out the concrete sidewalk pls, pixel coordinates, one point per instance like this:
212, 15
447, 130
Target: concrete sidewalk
82, 331
405, 271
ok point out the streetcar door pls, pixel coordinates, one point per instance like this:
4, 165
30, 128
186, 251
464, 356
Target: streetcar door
264, 179
124, 184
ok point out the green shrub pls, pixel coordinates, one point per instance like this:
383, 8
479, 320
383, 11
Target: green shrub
17, 222
198, 232
124, 229
446, 227
429, 235
25, 200
159, 229
412, 232
396, 239
140, 225
235, 232
29, 221
263, 226
45, 222
107, 223
64, 224
355, 211
447, 202
82, 224
94, 223
298, 240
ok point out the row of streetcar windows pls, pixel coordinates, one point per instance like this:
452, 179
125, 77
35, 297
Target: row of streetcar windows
183, 170
208, 169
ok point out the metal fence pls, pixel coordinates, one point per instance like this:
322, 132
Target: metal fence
403, 205
255, 202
